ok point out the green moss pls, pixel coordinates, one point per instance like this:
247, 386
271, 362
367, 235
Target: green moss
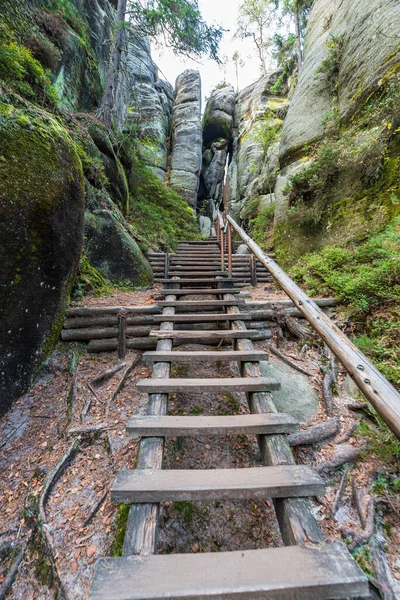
157, 213
21, 70
22, 120
89, 281
121, 523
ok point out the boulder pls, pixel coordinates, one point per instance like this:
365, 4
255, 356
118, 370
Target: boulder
187, 137
205, 226
297, 397
41, 232
112, 250
242, 249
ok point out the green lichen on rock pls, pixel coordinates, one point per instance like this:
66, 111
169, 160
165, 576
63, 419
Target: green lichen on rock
41, 228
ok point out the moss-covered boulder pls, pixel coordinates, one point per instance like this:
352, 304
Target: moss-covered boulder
41, 232
112, 250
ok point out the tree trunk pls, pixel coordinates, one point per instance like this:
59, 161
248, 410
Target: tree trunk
298, 37
110, 91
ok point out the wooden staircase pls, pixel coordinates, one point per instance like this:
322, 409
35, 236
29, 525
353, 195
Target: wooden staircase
307, 567
203, 259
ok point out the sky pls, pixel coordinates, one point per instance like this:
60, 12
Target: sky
225, 13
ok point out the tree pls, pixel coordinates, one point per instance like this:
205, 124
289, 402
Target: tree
110, 90
178, 23
238, 62
255, 19
299, 11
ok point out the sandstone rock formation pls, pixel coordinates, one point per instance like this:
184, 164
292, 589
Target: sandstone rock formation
369, 52
351, 60
217, 140
253, 169
145, 104
187, 137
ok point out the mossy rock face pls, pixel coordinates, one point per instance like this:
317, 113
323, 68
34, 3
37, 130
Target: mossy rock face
111, 249
114, 171
41, 232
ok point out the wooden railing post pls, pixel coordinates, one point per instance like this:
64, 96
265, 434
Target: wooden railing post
222, 242
122, 335
230, 249
253, 270
167, 262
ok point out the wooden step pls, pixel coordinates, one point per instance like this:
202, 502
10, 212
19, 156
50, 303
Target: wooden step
200, 357
142, 486
197, 274
204, 318
202, 280
249, 334
198, 304
323, 572
232, 384
199, 292
192, 426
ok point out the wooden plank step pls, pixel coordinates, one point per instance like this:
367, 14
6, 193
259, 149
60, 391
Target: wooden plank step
191, 426
324, 572
197, 304
213, 356
198, 274
235, 384
204, 318
142, 486
249, 334
202, 280
197, 292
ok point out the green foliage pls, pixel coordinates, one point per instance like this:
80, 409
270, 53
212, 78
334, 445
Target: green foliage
381, 442
89, 281
261, 226
284, 53
362, 276
158, 213
180, 24
330, 66
21, 70
70, 13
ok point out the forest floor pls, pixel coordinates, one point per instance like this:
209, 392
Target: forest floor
81, 522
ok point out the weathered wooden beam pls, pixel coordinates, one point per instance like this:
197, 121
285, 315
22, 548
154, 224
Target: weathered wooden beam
375, 387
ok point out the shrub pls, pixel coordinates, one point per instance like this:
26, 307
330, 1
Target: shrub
363, 276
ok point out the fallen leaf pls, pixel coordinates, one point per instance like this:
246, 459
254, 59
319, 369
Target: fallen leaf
195, 548
90, 551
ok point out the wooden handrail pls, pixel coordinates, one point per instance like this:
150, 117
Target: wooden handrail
375, 387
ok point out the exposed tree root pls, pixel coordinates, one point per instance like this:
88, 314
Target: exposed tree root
316, 433
9, 580
288, 361
327, 393
347, 434
380, 563
100, 379
362, 536
95, 510
340, 458
340, 491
